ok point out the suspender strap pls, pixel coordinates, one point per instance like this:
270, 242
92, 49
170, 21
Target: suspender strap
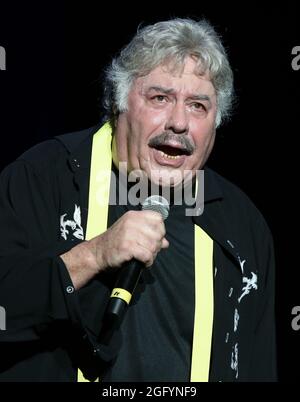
204, 307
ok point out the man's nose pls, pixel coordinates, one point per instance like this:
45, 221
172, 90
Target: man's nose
178, 119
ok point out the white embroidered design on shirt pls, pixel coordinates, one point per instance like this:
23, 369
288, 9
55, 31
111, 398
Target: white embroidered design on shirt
241, 264
251, 283
235, 359
230, 244
74, 225
236, 320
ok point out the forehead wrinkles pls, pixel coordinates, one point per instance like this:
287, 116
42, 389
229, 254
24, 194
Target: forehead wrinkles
198, 86
201, 92
162, 75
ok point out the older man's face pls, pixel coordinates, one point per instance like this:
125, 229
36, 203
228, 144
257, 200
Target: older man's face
169, 127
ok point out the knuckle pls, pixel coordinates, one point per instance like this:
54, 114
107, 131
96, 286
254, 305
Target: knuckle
163, 231
148, 256
158, 217
149, 263
129, 216
160, 234
124, 247
160, 225
153, 248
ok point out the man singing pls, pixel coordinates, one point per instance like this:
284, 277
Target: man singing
203, 308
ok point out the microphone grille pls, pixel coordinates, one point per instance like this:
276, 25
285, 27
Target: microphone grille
157, 203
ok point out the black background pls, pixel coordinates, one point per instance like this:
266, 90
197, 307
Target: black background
56, 51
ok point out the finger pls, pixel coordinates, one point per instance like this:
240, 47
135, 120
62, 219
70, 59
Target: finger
153, 215
144, 255
165, 243
150, 232
153, 219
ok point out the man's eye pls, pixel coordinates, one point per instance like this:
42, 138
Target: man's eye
160, 98
198, 106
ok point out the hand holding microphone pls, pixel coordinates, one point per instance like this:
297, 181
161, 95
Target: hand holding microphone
137, 235
133, 243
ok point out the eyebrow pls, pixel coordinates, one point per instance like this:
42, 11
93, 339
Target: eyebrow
169, 91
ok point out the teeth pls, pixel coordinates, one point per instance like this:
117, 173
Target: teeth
169, 156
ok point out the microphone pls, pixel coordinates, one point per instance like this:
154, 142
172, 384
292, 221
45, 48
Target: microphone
130, 272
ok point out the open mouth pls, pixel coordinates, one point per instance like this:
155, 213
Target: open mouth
171, 152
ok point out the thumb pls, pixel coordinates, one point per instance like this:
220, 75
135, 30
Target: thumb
165, 243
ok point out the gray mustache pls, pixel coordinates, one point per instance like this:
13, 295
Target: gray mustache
164, 138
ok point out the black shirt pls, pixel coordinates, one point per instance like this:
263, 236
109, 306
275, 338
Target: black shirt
157, 330
51, 330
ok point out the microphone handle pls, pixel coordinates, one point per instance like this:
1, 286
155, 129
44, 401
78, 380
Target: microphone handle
128, 278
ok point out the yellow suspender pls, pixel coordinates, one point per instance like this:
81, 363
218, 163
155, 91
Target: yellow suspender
97, 224
98, 190
204, 306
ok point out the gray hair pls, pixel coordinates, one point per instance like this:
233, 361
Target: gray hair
170, 41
